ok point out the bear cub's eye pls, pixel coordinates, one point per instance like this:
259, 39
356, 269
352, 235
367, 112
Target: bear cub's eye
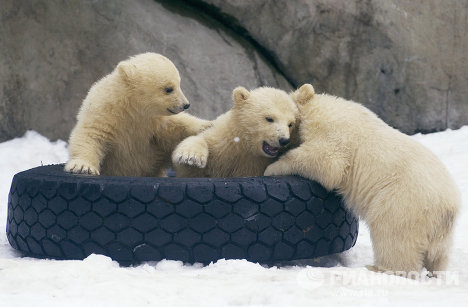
168, 90
269, 119
290, 125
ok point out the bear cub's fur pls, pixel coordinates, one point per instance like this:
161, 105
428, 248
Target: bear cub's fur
400, 188
242, 141
130, 121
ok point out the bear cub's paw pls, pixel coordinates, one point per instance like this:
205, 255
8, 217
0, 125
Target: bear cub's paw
190, 153
277, 169
78, 166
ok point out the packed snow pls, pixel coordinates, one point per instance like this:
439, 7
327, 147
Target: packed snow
340, 279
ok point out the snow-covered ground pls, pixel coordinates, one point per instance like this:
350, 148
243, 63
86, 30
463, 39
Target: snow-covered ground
98, 281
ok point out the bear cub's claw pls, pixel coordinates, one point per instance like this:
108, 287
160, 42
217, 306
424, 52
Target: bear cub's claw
192, 151
77, 166
190, 158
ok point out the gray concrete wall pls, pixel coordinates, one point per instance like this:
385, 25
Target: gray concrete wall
52, 51
406, 60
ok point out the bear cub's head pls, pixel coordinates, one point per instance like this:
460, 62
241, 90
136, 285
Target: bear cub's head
154, 84
266, 117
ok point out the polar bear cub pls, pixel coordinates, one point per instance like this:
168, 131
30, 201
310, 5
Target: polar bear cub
242, 141
400, 188
127, 124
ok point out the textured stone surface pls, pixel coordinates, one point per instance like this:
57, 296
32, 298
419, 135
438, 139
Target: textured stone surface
52, 51
406, 60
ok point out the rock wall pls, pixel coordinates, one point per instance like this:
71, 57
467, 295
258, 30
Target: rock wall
406, 60
52, 51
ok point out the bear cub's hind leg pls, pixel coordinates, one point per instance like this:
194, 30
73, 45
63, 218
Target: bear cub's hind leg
395, 254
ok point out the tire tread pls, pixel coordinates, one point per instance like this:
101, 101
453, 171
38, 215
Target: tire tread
53, 214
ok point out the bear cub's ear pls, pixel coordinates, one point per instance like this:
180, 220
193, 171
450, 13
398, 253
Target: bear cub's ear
303, 94
127, 70
240, 95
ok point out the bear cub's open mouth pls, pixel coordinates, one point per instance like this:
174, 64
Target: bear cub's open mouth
270, 150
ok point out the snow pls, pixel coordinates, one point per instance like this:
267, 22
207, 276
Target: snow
341, 279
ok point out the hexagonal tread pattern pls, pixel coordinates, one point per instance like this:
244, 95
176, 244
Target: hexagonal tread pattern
55, 214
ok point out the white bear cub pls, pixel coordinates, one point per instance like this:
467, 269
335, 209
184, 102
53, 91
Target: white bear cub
242, 141
127, 124
395, 184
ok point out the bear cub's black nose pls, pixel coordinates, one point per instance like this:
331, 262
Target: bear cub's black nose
186, 106
284, 141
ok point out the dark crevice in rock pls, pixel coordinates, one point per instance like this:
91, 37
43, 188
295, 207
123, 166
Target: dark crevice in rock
231, 23
447, 102
425, 131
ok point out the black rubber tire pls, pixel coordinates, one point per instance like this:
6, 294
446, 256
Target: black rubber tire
54, 214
